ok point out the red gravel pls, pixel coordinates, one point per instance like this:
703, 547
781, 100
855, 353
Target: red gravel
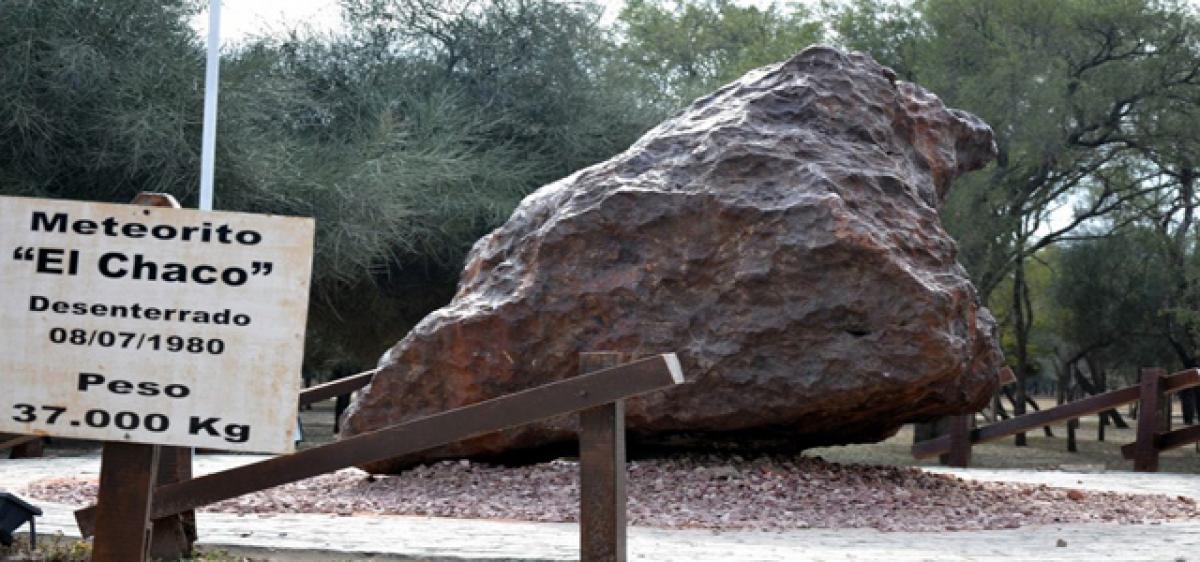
768, 493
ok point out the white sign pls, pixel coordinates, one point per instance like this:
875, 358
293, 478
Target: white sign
152, 325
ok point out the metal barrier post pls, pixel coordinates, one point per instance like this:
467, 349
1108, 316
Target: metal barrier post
1145, 457
32, 449
960, 441
127, 477
173, 536
602, 472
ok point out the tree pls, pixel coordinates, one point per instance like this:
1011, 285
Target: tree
1061, 83
407, 139
1108, 295
677, 52
99, 100
1167, 143
892, 32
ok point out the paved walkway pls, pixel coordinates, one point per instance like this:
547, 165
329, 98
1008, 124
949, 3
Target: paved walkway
282, 537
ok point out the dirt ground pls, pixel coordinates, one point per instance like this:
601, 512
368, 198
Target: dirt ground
1041, 453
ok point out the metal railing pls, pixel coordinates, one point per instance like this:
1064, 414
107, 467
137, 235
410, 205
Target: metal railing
596, 394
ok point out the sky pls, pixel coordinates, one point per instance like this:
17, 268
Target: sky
243, 18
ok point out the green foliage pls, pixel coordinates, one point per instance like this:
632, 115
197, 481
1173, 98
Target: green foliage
891, 32
98, 99
536, 67
51, 548
1045, 333
1110, 294
1064, 85
408, 137
682, 50
419, 128
1059, 81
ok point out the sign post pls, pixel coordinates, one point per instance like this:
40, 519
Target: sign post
127, 476
144, 327
208, 141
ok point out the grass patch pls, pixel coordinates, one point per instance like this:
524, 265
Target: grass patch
58, 548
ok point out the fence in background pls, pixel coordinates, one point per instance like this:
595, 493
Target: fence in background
1153, 422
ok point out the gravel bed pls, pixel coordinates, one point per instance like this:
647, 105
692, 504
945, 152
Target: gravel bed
767, 493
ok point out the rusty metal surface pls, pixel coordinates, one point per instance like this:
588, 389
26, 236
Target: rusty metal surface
31, 449
1145, 455
335, 388
1180, 380
1167, 441
960, 441
122, 527
1090, 405
173, 536
555, 399
602, 494
149, 199
16, 441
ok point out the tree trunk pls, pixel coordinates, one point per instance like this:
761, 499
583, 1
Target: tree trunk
1187, 404
1112, 415
998, 406
1182, 335
1020, 330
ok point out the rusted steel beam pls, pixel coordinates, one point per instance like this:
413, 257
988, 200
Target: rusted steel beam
127, 476
1180, 380
1167, 441
32, 449
152, 199
960, 441
336, 388
1004, 428
17, 441
547, 401
174, 536
1087, 406
1145, 454
601, 472
171, 538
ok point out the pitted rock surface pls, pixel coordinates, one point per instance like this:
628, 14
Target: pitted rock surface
781, 235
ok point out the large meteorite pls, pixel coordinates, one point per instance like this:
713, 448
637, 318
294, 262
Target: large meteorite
781, 235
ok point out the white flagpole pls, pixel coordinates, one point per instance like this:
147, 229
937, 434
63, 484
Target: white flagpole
211, 76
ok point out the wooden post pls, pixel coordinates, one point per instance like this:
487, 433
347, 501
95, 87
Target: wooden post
1072, 445
601, 472
1145, 453
960, 441
128, 472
